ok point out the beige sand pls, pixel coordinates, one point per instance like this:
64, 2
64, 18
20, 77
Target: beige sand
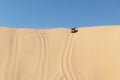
93, 53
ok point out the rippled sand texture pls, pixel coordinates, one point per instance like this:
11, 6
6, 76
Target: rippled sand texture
93, 53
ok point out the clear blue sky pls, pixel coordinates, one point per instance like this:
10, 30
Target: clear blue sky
59, 13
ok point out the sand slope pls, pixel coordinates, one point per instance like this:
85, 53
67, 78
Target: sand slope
93, 53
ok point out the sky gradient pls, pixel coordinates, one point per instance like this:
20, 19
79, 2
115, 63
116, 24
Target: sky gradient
59, 13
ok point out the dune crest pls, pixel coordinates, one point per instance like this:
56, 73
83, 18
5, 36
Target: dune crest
92, 53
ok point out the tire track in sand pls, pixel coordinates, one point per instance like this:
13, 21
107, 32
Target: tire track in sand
69, 55
16, 64
58, 75
78, 74
66, 59
11, 66
45, 70
69, 62
42, 61
66, 63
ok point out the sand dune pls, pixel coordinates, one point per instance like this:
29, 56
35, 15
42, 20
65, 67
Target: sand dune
93, 53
